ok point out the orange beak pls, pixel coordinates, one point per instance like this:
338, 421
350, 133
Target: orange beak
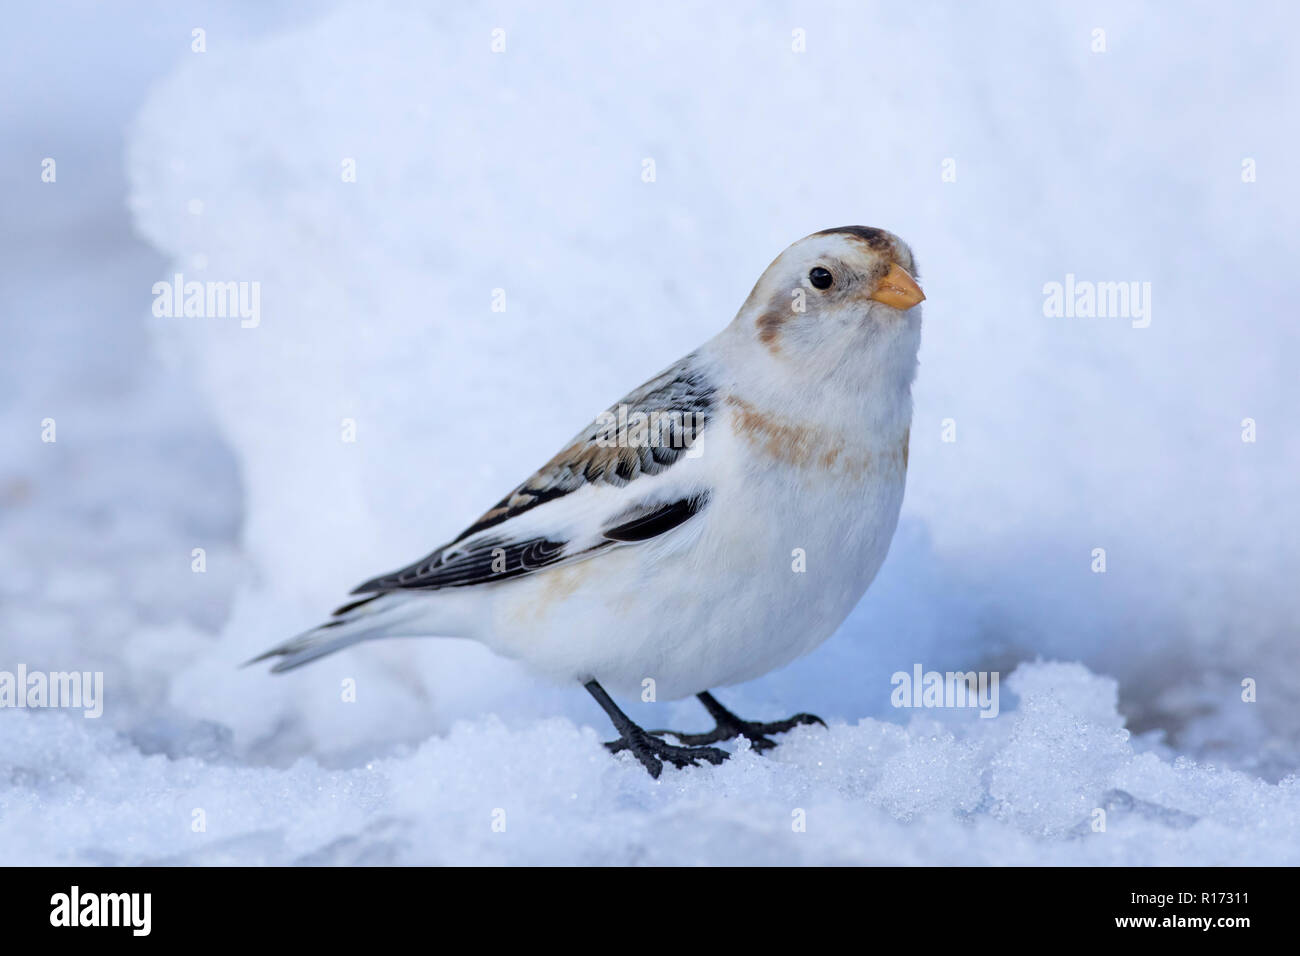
898, 289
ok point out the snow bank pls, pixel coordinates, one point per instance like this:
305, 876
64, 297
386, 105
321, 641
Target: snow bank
1022, 790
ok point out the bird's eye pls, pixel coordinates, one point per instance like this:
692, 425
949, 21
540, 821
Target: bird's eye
820, 278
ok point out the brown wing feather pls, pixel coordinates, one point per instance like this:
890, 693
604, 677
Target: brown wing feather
680, 390
595, 455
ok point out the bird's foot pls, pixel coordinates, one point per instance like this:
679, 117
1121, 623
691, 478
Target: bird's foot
755, 732
652, 751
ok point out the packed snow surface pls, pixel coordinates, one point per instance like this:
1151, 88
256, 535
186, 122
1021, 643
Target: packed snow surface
380, 402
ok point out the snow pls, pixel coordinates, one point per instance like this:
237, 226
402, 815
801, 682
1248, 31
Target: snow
522, 171
1015, 791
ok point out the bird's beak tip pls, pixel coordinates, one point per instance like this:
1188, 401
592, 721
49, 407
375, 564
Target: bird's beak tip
898, 289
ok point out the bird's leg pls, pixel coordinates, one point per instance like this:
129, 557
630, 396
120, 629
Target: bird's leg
729, 725
651, 751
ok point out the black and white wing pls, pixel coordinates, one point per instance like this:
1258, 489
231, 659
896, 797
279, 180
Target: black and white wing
593, 495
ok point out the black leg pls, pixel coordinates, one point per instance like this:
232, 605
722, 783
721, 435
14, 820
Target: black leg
651, 751
729, 725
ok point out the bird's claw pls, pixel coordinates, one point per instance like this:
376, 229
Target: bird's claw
755, 732
652, 751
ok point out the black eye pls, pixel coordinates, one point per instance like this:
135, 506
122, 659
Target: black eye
820, 278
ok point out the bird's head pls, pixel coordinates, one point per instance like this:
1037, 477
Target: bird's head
834, 294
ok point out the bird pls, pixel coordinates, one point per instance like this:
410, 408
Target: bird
715, 524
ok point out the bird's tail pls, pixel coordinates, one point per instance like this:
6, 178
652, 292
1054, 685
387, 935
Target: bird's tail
380, 615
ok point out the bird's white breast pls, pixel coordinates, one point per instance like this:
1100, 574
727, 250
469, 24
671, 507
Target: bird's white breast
798, 522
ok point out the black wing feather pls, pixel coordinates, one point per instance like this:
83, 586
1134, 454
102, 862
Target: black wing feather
657, 522
492, 559
683, 392
499, 558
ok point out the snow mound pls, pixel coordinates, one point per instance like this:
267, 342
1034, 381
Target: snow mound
1023, 789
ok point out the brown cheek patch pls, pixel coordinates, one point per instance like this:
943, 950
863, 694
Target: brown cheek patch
769, 329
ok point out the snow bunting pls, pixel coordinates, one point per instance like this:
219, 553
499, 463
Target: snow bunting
717, 523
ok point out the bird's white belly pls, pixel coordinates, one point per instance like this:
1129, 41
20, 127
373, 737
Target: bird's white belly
765, 574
